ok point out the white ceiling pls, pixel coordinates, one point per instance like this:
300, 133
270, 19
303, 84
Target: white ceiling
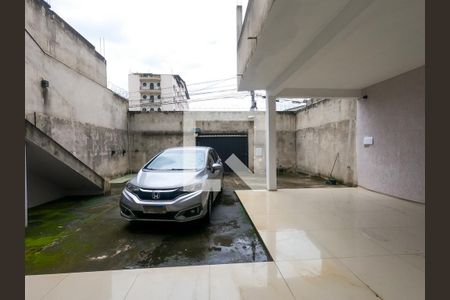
313, 47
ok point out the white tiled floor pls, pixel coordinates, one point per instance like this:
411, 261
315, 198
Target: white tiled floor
345, 243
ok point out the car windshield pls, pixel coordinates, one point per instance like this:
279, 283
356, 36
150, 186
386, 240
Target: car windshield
178, 160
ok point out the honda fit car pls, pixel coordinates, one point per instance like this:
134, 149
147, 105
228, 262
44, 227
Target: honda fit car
178, 184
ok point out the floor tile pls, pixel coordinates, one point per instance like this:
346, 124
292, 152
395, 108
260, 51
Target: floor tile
371, 219
248, 281
277, 222
171, 283
323, 279
292, 245
94, 285
347, 243
389, 276
399, 205
37, 286
398, 240
414, 260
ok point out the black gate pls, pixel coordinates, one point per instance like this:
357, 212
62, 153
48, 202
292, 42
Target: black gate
225, 145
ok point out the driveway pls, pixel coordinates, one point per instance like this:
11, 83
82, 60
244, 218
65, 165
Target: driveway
87, 234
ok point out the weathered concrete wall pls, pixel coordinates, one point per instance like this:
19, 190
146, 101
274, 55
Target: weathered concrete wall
76, 110
323, 130
60, 40
154, 131
286, 141
394, 115
103, 149
70, 95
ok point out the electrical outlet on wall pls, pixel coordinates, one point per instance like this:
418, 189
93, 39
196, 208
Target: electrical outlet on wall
368, 140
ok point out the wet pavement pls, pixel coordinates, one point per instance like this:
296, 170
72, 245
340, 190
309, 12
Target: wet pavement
87, 234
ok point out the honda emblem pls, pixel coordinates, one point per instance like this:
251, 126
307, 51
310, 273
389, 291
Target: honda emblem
155, 196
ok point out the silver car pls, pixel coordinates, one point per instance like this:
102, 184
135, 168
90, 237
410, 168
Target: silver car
178, 184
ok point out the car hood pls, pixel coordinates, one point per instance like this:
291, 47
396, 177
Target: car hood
153, 179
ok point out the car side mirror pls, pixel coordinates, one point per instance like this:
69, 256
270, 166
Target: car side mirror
216, 167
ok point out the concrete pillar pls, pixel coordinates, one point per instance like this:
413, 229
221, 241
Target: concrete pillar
238, 21
26, 189
271, 143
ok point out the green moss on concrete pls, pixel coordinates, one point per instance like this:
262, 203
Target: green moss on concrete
40, 242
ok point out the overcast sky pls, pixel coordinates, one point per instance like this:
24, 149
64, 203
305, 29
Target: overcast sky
195, 39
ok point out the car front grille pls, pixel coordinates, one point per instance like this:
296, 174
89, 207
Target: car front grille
160, 195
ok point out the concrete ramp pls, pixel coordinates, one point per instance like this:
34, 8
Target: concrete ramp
53, 172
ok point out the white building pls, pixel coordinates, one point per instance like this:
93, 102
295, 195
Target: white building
157, 92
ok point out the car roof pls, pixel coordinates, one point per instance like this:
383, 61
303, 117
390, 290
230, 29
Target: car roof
189, 148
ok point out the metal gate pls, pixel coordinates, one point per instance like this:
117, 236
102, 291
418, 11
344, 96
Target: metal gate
225, 145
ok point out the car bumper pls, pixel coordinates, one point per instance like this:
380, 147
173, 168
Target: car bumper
184, 208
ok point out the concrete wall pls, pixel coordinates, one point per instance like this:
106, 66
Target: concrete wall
76, 110
323, 130
286, 141
103, 149
60, 40
394, 115
42, 190
154, 131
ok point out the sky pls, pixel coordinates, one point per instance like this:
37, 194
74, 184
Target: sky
195, 39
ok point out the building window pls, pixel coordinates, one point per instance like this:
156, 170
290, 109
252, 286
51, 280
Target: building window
144, 84
145, 97
152, 97
151, 109
159, 108
152, 86
159, 97
158, 84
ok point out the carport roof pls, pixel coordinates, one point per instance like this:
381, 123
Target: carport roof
326, 48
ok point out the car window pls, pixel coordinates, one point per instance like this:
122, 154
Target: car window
214, 155
179, 159
210, 159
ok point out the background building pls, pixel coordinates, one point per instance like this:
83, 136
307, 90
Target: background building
157, 92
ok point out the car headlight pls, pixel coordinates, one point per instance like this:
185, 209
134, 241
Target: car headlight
131, 188
197, 186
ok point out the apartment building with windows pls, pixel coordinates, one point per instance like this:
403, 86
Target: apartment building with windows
157, 92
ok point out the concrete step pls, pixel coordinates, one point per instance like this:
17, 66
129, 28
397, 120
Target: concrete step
117, 184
